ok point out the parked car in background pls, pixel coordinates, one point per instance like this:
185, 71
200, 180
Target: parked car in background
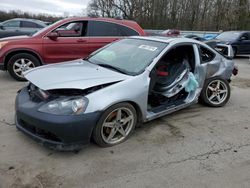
20, 26
106, 95
210, 36
196, 37
48, 23
239, 40
171, 33
65, 40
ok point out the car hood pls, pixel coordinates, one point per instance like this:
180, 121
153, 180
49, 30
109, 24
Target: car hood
15, 38
78, 74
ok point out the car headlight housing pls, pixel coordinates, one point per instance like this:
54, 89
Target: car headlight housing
2, 44
65, 106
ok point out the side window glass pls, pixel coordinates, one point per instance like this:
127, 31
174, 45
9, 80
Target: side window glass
38, 26
206, 54
72, 29
12, 24
246, 36
125, 31
27, 24
99, 29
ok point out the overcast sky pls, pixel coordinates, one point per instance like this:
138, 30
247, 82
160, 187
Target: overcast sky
56, 7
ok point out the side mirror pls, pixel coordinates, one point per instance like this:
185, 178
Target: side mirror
1, 26
243, 38
53, 35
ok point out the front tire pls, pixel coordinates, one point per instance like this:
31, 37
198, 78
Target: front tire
115, 125
20, 63
216, 92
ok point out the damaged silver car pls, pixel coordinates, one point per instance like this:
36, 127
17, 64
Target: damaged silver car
106, 95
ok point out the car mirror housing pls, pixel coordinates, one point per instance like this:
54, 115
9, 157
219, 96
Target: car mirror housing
53, 35
243, 38
1, 26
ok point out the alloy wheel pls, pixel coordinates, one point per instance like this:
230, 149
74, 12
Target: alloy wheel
216, 92
22, 65
117, 125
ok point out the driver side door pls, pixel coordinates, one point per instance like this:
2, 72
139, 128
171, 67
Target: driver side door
70, 44
244, 43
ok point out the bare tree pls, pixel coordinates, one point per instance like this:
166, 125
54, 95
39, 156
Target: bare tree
179, 14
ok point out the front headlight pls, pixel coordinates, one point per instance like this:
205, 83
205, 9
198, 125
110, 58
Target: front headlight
2, 44
65, 106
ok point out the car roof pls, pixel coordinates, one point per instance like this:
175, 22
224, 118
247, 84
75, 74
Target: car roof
27, 19
167, 39
128, 23
235, 31
116, 20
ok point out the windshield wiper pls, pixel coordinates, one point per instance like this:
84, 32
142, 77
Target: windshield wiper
112, 67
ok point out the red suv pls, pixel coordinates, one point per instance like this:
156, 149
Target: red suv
68, 39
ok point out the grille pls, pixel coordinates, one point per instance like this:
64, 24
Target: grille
39, 132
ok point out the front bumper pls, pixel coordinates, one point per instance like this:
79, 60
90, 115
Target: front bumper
60, 132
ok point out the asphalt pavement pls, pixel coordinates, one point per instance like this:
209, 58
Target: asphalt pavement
195, 147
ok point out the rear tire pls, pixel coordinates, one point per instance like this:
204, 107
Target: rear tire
20, 63
215, 93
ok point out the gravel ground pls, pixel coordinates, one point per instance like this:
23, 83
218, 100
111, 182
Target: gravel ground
195, 147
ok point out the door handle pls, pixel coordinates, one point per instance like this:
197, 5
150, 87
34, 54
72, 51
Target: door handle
81, 40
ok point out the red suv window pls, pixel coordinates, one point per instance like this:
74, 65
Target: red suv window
72, 29
99, 28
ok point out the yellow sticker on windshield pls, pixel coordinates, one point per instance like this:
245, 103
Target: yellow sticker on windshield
146, 47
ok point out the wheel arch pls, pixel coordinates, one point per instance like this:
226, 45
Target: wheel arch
16, 51
138, 111
134, 104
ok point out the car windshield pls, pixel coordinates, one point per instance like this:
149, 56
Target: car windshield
129, 56
228, 36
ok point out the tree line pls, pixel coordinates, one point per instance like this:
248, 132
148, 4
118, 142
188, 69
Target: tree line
4, 15
211, 15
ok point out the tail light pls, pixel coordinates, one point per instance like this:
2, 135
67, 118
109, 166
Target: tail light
235, 71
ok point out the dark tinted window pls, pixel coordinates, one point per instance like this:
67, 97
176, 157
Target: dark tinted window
125, 31
12, 24
28, 24
206, 54
98, 28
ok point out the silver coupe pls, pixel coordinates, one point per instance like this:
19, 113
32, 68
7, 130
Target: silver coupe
126, 83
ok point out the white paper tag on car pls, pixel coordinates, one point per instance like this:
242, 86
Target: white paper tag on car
146, 47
